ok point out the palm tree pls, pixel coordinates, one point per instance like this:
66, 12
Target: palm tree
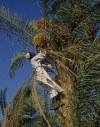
71, 46
71, 42
21, 112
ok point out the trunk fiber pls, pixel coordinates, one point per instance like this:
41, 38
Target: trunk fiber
66, 113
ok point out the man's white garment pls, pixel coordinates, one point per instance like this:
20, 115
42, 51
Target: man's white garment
42, 76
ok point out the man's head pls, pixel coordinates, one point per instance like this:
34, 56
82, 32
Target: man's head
29, 55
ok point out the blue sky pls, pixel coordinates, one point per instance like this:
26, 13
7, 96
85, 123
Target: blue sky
28, 10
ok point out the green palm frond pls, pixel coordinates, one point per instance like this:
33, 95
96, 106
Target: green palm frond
13, 110
88, 86
31, 27
7, 17
13, 24
23, 107
44, 5
75, 12
21, 111
16, 63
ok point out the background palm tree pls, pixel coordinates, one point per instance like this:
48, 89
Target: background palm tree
21, 112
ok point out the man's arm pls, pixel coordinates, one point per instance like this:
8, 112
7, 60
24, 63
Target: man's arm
40, 56
48, 66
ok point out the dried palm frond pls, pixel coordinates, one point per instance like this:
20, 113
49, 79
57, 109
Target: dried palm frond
7, 120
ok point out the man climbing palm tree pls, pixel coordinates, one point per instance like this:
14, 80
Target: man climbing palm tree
40, 74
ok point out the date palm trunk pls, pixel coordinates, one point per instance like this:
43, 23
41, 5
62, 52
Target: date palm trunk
66, 113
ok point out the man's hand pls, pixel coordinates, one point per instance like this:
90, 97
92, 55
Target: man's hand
49, 66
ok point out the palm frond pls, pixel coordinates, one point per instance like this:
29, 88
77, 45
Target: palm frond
44, 5
22, 112
8, 114
75, 12
88, 86
17, 62
13, 24
20, 102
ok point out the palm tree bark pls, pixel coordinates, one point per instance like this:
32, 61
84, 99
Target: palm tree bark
66, 111
67, 80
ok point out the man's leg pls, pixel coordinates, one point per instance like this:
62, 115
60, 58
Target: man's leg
55, 85
53, 93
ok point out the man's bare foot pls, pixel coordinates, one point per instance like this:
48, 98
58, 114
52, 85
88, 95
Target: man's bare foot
55, 103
